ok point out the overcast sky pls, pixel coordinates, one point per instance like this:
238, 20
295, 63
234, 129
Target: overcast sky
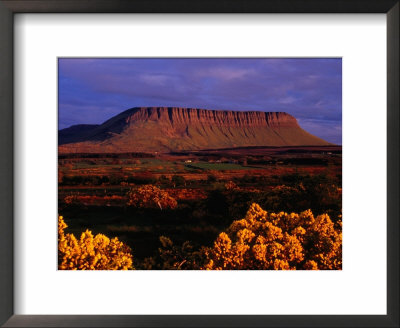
93, 90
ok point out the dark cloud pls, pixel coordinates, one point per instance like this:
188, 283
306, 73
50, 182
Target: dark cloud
93, 90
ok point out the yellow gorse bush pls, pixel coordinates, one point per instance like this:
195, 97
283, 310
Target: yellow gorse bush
91, 252
278, 241
261, 240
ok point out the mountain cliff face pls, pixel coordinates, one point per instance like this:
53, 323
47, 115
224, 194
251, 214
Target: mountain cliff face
164, 129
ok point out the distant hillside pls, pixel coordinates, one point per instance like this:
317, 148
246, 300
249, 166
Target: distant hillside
75, 133
165, 129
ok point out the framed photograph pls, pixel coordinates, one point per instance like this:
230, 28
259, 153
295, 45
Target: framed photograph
202, 164
176, 184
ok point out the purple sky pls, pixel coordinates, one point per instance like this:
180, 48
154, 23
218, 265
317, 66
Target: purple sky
93, 90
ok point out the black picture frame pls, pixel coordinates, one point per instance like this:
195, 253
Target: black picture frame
10, 7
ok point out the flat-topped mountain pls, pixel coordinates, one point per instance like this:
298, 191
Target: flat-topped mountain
165, 129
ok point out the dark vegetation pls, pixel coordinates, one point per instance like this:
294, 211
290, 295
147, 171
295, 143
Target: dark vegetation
104, 155
210, 195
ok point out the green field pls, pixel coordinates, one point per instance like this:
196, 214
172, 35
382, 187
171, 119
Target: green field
159, 165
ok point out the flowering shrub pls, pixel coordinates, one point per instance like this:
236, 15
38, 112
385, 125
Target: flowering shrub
230, 185
91, 252
149, 196
279, 241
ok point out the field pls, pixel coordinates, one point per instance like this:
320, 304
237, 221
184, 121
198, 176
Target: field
199, 195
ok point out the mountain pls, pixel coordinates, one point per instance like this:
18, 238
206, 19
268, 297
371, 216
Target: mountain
165, 129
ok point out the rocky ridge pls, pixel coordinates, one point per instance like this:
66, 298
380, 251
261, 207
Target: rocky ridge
165, 129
